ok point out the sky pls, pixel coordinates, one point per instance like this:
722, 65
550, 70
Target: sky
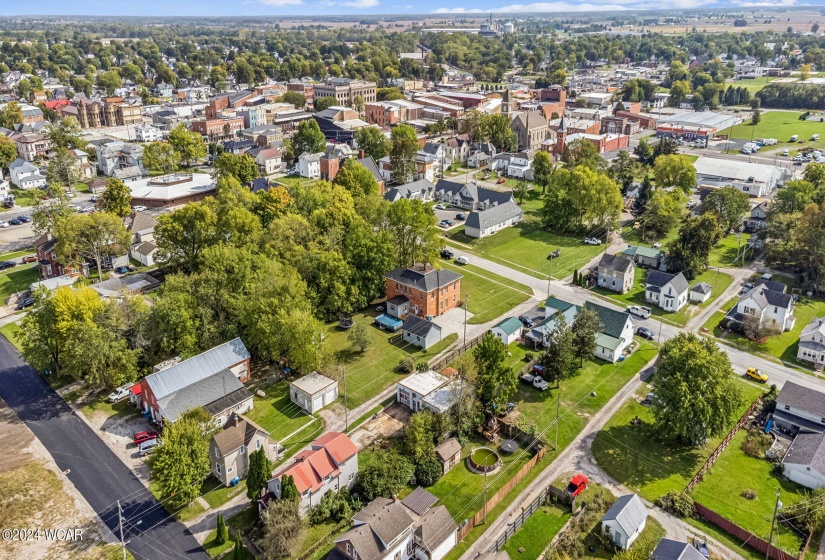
335, 7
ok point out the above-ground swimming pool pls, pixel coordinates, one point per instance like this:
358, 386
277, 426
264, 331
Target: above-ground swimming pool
483, 460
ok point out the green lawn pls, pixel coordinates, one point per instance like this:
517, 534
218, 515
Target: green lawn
489, 295
293, 180
734, 472
16, 254
636, 295
11, 332
17, 279
120, 409
276, 413
724, 254
536, 533
753, 85
370, 372
242, 521
637, 458
782, 125
23, 197
186, 513
216, 493
526, 246
633, 236
81, 187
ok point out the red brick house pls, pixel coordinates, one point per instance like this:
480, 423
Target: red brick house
422, 290
47, 259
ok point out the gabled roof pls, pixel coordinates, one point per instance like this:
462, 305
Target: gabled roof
702, 288
387, 518
616, 263
817, 325
500, 213
771, 285
434, 527
808, 450
369, 163
648, 252
423, 277
660, 279
802, 398
629, 512
763, 297
139, 221
447, 449
509, 325
419, 500
201, 394
418, 326
338, 444
613, 321
238, 430
669, 549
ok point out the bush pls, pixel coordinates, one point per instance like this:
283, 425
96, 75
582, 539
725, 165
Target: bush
676, 503
748, 494
528, 357
407, 365
569, 544
422, 366
334, 507
757, 444
428, 471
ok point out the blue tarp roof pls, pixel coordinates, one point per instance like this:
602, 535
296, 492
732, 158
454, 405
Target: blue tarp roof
387, 321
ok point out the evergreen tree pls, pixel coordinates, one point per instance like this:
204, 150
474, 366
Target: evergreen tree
288, 489
260, 469
223, 532
238, 551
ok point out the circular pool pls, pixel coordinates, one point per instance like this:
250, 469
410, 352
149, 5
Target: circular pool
483, 460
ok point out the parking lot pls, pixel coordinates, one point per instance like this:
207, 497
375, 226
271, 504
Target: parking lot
450, 214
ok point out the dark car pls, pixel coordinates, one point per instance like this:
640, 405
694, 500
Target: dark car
15, 222
527, 321
461, 216
645, 332
24, 219
7, 264
447, 254
24, 303
124, 269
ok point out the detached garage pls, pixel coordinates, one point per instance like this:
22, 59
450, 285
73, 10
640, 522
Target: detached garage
804, 462
313, 392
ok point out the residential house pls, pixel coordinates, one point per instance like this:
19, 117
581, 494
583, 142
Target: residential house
624, 521
229, 449
268, 159
309, 165
669, 549
147, 133
238, 146
490, 210
25, 175
616, 273
799, 409
508, 330
412, 390
758, 218
117, 287
212, 380
313, 391
420, 332
481, 223
812, 342
417, 190
458, 148
330, 464
668, 291
369, 163
430, 292
448, 453
768, 302
520, 165
389, 529
85, 169
120, 160
646, 257
32, 145
804, 462
47, 261
142, 247
700, 293
531, 129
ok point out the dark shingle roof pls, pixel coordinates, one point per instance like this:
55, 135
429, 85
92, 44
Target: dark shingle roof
498, 214
615, 262
803, 398
418, 326
771, 285
669, 549
808, 450
388, 519
447, 449
419, 501
659, 279
629, 512
435, 526
423, 277
613, 322
369, 163
702, 288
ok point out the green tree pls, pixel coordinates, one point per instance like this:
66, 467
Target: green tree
109, 81
663, 212
65, 134
283, 527
581, 197
496, 382
689, 252
63, 170
357, 179
181, 461
295, 98
8, 151
543, 169
756, 117
384, 476
116, 198
559, 360
808, 242
238, 550
696, 395
358, 104
411, 225
222, 534
373, 142
730, 206
11, 115
360, 336
815, 174
501, 135
99, 356
793, 197
323, 103
675, 171
623, 170
520, 191
678, 92
308, 138
259, 473
241, 167
188, 145
404, 146
420, 435
161, 157
586, 326
50, 207
289, 492
644, 153
181, 236
82, 237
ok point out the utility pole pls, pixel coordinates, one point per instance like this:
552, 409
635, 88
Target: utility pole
558, 406
485, 498
773, 524
346, 408
466, 304
120, 527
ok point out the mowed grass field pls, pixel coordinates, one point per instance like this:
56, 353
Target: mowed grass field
782, 125
487, 295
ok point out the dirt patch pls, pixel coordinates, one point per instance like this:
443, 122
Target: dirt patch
16, 440
387, 424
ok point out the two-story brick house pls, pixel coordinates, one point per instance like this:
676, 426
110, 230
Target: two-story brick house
616, 273
423, 290
45, 247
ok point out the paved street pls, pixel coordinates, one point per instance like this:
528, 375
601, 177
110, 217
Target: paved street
99, 475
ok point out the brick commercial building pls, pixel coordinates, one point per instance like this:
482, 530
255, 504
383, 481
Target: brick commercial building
107, 111
218, 129
423, 290
345, 90
387, 113
553, 100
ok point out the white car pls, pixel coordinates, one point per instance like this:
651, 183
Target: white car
95, 198
3, 224
592, 241
69, 194
148, 446
639, 311
657, 245
540, 384
138, 208
440, 207
461, 259
120, 393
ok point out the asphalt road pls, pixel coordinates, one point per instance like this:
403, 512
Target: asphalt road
99, 475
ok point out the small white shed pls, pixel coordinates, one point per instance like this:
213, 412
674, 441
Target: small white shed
625, 520
508, 330
700, 293
313, 392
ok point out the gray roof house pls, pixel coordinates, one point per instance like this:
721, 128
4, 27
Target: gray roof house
800, 409
768, 302
229, 449
669, 549
812, 342
804, 463
668, 291
420, 332
490, 210
481, 223
700, 293
625, 521
616, 273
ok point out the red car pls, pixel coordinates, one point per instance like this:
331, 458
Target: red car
578, 484
146, 435
29, 259
501, 181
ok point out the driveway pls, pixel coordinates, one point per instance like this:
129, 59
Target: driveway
99, 475
453, 322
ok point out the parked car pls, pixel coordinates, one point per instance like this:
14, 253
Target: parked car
527, 321
446, 253
785, 152
639, 311
88, 209
501, 181
124, 269
592, 241
440, 207
443, 224
24, 303
148, 446
756, 375
95, 198
645, 332
540, 384
15, 222
139, 208
461, 216
7, 264
147, 435
657, 245
461, 259
3, 224
69, 193
702, 547
29, 259
577, 485
24, 219
120, 393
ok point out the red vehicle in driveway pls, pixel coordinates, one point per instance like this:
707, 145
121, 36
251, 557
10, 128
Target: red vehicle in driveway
501, 181
578, 484
146, 435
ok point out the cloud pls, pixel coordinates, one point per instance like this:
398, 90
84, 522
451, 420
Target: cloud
281, 2
765, 3
360, 4
614, 5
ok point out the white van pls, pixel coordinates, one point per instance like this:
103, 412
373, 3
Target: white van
461, 259
148, 446
795, 137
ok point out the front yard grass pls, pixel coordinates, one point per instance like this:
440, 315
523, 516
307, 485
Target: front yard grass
276, 413
242, 521
14, 255
782, 125
536, 533
725, 253
12, 333
17, 279
216, 493
487, 296
636, 457
734, 472
636, 295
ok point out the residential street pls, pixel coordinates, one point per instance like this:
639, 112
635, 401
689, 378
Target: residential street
99, 475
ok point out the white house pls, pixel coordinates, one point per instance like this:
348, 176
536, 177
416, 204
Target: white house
420, 332
269, 160
412, 390
25, 175
481, 223
700, 293
309, 165
330, 464
769, 303
313, 391
799, 409
668, 291
625, 521
804, 463
758, 218
147, 133
521, 165
5, 188
812, 342
86, 169
508, 330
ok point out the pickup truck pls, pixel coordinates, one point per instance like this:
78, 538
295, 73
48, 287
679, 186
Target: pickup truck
639, 311
535, 379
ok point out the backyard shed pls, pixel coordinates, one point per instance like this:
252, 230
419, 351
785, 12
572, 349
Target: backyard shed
448, 453
625, 521
313, 392
508, 330
700, 293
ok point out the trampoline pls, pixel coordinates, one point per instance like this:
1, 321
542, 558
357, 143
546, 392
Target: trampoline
509, 446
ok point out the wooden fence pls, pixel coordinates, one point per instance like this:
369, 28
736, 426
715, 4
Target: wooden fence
718, 451
498, 496
440, 362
